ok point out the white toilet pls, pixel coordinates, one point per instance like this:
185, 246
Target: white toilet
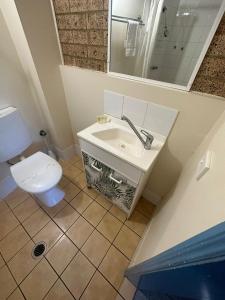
37, 174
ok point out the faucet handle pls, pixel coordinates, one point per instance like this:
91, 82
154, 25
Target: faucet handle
149, 137
146, 133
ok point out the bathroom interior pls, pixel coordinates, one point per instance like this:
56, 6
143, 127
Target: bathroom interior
112, 124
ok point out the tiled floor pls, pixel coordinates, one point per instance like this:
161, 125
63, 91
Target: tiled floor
89, 243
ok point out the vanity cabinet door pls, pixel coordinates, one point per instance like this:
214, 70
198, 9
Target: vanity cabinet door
117, 188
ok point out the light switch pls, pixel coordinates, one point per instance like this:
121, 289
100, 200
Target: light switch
204, 164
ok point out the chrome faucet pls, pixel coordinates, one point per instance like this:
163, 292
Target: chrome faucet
149, 137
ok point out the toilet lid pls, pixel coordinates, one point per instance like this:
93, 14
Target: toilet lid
36, 174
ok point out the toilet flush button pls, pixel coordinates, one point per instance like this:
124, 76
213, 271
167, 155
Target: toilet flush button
204, 164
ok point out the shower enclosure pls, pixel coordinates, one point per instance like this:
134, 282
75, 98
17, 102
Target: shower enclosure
160, 39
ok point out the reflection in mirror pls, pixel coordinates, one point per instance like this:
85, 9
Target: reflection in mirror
160, 39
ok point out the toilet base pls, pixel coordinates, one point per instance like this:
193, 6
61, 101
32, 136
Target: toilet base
51, 197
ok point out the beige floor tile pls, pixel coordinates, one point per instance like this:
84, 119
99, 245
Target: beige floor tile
113, 266
36, 222
13, 242
49, 234
78, 274
73, 160
71, 172
79, 165
127, 241
59, 292
127, 289
16, 295
103, 201
137, 222
63, 182
52, 211
118, 213
81, 202
3, 207
96, 247
2, 263
39, 281
80, 180
16, 197
63, 163
7, 223
23, 262
109, 226
71, 190
80, 231
7, 283
66, 217
91, 192
118, 297
94, 213
99, 289
145, 207
61, 254
26, 209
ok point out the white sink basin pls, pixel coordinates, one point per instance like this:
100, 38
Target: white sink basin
121, 140
118, 139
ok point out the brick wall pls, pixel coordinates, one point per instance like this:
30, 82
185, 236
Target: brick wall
211, 75
82, 27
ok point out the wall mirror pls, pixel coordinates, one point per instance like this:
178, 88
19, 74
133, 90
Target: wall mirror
162, 40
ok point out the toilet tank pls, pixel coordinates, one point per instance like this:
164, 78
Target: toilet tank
14, 135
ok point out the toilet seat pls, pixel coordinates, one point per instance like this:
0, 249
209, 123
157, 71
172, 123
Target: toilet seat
37, 173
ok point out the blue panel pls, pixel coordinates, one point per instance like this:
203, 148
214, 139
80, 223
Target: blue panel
205, 247
202, 282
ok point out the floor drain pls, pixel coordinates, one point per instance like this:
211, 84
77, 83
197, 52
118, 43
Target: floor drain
39, 249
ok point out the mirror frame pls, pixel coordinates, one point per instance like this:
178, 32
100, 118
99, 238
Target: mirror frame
162, 83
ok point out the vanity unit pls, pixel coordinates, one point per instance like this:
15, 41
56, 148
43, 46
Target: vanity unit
116, 163
119, 155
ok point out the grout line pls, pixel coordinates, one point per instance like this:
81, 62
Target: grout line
88, 283
13, 211
111, 244
39, 229
97, 269
17, 286
12, 208
18, 251
32, 239
59, 278
108, 210
51, 218
9, 232
35, 268
45, 255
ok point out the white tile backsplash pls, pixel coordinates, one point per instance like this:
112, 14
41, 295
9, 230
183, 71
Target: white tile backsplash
113, 104
135, 110
159, 119
148, 115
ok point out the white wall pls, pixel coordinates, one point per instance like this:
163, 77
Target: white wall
84, 95
37, 21
193, 206
15, 90
128, 8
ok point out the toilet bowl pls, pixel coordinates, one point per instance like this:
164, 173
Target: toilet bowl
39, 175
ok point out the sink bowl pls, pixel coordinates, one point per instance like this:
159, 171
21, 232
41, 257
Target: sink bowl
121, 140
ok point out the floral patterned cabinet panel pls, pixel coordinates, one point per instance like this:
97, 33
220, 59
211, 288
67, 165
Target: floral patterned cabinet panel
116, 187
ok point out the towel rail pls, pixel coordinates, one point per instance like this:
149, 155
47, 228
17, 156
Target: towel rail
126, 19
